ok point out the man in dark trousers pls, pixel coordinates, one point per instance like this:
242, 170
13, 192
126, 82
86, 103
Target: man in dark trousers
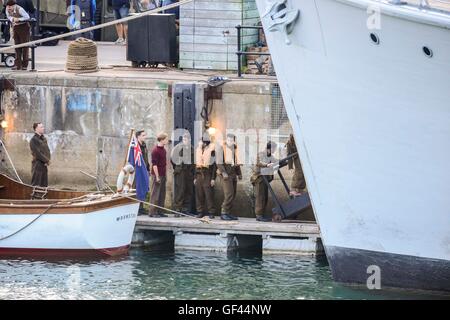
263, 167
141, 135
27, 5
205, 177
183, 175
158, 176
21, 32
41, 156
229, 168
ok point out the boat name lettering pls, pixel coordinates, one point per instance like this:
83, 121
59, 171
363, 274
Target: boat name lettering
127, 216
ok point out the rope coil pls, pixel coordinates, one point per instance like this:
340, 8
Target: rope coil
82, 56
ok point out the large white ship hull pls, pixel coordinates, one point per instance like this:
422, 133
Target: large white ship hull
372, 125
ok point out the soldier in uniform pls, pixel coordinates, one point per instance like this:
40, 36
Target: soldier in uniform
205, 177
264, 163
298, 183
229, 169
41, 156
183, 174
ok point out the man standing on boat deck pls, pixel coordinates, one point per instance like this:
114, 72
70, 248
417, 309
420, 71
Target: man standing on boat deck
229, 169
21, 31
264, 163
158, 172
41, 156
183, 175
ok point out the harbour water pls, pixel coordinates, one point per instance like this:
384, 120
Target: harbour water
183, 275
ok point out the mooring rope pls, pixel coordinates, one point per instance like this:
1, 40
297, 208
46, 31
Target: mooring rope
30, 223
100, 26
141, 201
68, 202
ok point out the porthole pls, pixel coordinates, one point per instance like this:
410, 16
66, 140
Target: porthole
427, 51
374, 38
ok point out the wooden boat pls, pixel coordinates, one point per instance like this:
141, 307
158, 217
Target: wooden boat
49, 222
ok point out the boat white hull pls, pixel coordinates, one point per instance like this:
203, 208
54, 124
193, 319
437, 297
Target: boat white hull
107, 232
372, 125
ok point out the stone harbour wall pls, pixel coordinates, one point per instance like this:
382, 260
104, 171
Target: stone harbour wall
88, 120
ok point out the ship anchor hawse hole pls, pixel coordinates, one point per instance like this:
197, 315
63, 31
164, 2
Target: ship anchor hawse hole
280, 18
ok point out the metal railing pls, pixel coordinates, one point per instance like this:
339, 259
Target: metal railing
241, 53
440, 5
33, 23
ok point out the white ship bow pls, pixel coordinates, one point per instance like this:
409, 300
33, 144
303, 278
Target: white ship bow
370, 109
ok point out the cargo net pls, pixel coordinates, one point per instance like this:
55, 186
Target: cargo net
279, 119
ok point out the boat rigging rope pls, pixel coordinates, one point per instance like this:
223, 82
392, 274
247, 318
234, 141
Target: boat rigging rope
152, 205
100, 26
90, 196
9, 158
143, 202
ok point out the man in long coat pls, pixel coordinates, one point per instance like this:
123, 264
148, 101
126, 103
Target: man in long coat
41, 156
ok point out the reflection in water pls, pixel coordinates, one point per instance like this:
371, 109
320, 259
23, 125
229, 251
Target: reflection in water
185, 275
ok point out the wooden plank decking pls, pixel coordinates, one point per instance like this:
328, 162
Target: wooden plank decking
244, 226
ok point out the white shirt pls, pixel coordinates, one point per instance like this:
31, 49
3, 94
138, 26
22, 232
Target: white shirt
24, 16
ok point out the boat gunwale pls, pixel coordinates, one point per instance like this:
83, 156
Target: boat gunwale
408, 11
11, 208
79, 202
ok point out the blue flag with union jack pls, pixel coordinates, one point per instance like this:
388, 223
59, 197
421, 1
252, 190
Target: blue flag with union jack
135, 158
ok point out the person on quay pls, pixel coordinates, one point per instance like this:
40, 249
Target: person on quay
205, 177
263, 167
298, 184
41, 156
19, 18
121, 10
183, 174
229, 169
158, 176
141, 135
28, 6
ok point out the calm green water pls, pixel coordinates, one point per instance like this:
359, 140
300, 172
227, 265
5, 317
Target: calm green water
187, 275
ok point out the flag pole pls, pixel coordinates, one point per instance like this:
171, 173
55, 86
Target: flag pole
129, 145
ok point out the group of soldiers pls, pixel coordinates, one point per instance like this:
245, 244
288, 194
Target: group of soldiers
200, 168
209, 161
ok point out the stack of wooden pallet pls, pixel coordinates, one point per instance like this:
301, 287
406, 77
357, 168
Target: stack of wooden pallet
257, 64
